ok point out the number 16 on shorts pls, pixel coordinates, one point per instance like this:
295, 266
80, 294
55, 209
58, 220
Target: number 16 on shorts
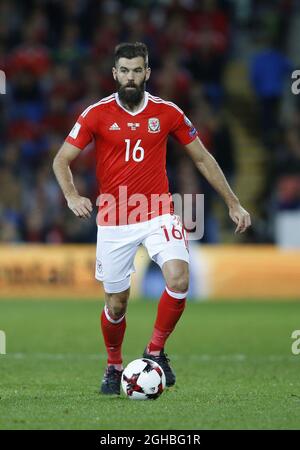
176, 232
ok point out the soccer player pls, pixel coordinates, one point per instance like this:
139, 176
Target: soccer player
130, 130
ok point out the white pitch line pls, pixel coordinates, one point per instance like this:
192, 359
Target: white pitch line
200, 357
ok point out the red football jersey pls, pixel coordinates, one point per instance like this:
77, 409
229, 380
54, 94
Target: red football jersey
131, 155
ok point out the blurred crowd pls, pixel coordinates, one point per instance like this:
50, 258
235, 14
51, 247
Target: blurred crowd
57, 57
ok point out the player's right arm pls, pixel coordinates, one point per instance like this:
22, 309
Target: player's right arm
81, 206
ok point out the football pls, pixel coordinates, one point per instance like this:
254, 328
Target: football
143, 379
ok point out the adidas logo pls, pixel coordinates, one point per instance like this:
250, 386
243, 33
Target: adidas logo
114, 126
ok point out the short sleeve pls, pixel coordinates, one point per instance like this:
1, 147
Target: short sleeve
81, 134
184, 131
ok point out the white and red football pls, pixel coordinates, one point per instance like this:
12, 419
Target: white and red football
143, 379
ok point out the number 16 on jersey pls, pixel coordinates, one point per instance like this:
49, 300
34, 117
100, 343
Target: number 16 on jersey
137, 152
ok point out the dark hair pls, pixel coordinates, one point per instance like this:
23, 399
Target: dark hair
129, 51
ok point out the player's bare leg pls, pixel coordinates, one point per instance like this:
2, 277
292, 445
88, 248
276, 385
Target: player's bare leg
169, 311
176, 275
116, 303
113, 325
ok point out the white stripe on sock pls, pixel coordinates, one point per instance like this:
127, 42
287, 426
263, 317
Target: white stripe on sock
177, 295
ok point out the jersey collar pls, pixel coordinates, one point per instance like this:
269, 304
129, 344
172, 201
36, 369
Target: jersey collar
136, 112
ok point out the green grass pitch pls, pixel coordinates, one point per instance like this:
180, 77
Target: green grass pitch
234, 366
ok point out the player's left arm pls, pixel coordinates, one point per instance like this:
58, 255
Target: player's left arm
211, 170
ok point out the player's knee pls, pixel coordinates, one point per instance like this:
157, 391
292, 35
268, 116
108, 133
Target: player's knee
117, 304
179, 281
179, 285
176, 274
116, 309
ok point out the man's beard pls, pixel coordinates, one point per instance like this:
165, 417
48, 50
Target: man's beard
131, 97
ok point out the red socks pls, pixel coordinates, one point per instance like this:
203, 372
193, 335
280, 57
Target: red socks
113, 333
169, 311
170, 308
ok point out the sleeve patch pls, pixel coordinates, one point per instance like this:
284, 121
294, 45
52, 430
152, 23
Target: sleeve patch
75, 130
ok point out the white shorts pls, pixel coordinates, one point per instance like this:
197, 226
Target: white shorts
163, 237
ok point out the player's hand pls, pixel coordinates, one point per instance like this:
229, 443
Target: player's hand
81, 206
240, 217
